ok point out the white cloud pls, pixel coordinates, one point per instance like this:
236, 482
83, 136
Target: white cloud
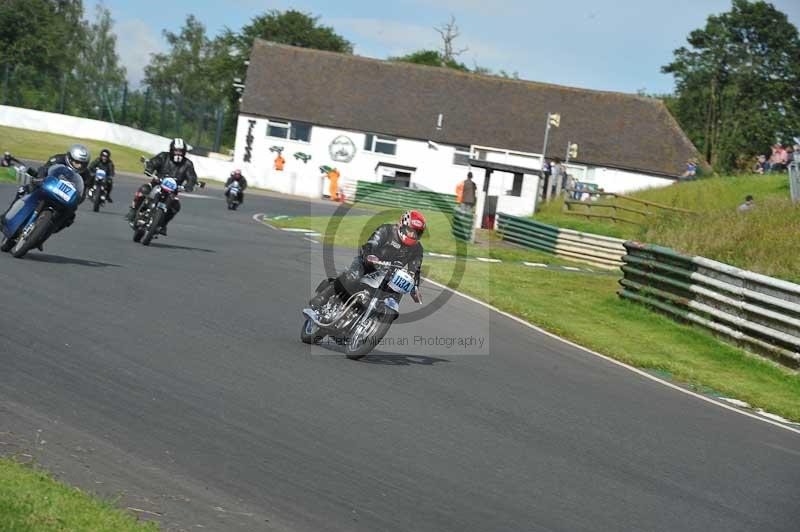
136, 41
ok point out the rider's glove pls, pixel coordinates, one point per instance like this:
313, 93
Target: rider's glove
416, 296
372, 259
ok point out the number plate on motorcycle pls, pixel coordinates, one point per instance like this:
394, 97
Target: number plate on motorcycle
162, 206
402, 282
64, 190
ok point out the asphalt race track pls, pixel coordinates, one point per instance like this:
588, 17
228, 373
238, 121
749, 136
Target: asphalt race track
173, 377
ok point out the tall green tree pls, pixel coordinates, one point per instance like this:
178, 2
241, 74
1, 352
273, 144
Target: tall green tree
738, 83
98, 73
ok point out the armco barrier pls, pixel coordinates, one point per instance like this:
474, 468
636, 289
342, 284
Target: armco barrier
598, 250
756, 311
403, 198
463, 226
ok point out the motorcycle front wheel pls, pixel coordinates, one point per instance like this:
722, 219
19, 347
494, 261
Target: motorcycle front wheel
35, 236
155, 225
365, 338
98, 195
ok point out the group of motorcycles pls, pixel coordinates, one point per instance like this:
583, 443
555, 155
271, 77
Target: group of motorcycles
32, 219
356, 321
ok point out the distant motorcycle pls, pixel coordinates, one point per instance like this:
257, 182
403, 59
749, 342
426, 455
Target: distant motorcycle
150, 216
99, 192
233, 194
361, 322
30, 220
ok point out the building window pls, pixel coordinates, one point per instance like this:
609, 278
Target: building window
461, 157
289, 130
380, 144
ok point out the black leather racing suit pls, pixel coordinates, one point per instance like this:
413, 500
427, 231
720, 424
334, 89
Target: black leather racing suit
242, 186
386, 245
108, 166
163, 166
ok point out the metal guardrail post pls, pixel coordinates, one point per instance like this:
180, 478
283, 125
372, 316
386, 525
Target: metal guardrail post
794, 181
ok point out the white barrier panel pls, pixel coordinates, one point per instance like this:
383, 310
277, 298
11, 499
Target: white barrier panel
87, 128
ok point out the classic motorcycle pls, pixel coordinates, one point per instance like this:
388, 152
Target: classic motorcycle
150, 216
30, 220
233, 195
99, 192
360, 322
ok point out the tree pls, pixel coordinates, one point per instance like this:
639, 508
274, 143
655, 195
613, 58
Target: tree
98, 71
449, 32
737, 83
430, 58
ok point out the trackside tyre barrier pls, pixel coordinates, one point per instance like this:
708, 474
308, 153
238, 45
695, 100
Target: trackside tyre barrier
755, 311
598, 250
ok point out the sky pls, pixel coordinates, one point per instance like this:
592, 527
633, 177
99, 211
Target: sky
605, 45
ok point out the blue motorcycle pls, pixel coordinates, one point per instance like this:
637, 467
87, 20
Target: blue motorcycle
30, 220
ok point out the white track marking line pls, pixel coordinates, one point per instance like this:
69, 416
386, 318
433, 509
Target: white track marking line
310, 240
572, 268
295, 230
484, 259
622, 364
736, 402
259, 217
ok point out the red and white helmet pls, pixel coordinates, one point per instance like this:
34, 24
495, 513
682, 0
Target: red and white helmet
411, 226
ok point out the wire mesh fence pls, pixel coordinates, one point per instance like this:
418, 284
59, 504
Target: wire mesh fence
208, 126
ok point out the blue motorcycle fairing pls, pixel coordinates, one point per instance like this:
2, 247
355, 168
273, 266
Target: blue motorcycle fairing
53, 191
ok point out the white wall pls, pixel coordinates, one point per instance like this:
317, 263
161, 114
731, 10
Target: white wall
434, 168
621, 181
86, 128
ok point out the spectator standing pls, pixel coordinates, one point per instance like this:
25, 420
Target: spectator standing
778, 159
469, 193
557, 171
761, 166
748, 205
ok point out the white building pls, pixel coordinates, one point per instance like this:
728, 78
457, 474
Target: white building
426, 127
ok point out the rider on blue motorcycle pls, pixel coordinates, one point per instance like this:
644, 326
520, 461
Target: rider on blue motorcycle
77, 160
172, 164
389, 243
236, 175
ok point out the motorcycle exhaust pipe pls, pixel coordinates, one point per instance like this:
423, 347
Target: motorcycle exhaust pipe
310, 314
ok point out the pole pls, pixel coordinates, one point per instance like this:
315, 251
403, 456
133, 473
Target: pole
108, 106
548, 188
5, 83
146, 113
178, 114
162, 118
569, 143
218, 132
63, 93
124, 104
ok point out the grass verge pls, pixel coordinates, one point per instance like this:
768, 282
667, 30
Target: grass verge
7, 175
353, 231
764, 240
584, 308
36, 145
32, 501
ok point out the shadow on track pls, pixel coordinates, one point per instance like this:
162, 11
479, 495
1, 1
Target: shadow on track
390, 359
185, 248
58, 259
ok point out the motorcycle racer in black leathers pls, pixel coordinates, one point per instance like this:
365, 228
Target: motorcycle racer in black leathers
77, 159
235, 176
172, 164
390, 243
103, 162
